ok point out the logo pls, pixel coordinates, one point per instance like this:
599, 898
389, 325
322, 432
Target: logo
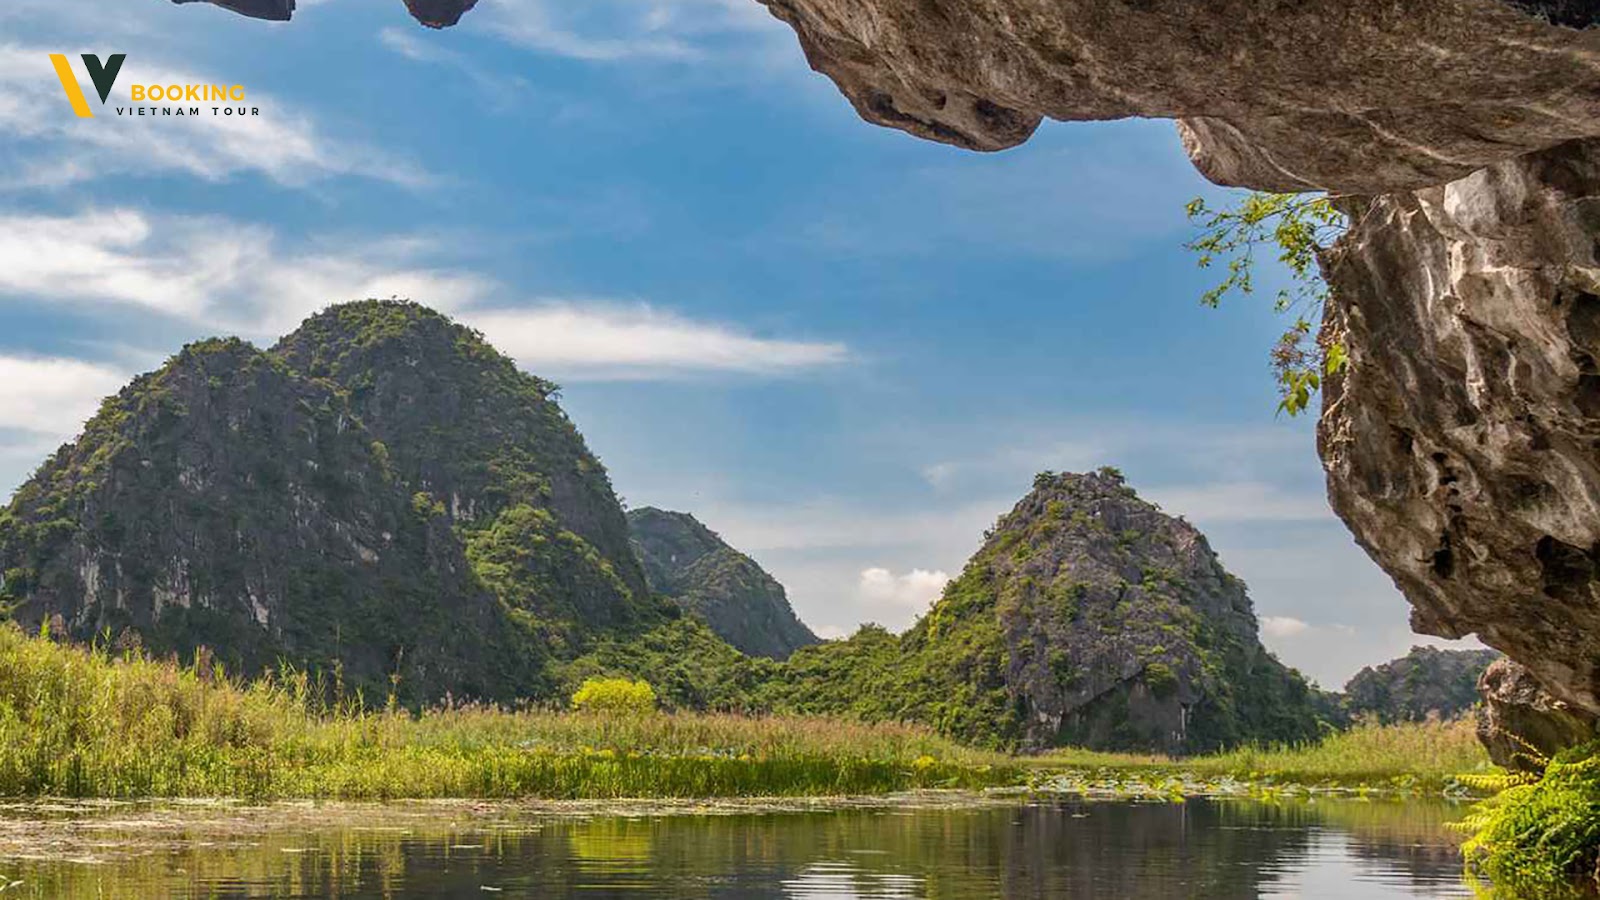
104, 76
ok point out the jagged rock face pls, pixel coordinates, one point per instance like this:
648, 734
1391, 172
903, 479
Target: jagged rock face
485, 440
1461, 443
1425, 682
1120, 627
689, 564
1360, 96
224, 501
1088, 618
271, 10
1520, 724
382, 493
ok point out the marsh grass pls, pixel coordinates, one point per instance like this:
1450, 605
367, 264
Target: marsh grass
1423, 757
84, 723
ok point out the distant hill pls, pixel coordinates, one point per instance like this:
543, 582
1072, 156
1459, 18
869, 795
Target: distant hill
689, 564
1424, 682
1088, 617
381, 495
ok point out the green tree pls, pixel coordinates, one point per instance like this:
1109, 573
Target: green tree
1297, 226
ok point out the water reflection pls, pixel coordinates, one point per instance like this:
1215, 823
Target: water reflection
1223, 849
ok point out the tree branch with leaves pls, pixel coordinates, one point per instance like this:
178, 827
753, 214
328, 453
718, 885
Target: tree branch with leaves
1296, 227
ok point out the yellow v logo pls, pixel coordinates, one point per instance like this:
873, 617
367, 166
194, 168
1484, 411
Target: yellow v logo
104, 75
69, 83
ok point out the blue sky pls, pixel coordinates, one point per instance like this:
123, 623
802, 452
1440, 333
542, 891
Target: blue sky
846, 350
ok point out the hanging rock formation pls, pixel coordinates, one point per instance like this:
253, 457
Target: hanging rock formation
271, 10
1461, 444
432, 13
1356, 96
1521, 724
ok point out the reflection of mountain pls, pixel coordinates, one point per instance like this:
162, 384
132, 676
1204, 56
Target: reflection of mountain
1218, 850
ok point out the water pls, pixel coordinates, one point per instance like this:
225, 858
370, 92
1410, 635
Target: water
916, 847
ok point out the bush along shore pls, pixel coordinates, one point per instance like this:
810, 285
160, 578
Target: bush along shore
1539, 834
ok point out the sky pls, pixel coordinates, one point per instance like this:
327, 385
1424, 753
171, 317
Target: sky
844, 349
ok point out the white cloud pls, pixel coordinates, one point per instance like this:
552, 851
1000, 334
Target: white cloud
1283, 626
215, 273
222, 276
47, 146
915, 590
599, 340
50, 398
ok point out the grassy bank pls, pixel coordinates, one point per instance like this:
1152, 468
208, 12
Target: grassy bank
83, 723
79, 723
1423, 757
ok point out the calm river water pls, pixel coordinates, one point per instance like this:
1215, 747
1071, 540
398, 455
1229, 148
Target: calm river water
914, 847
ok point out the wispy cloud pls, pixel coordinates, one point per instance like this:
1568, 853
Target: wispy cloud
223, 276
914, 591
497, 91
599, 340
1248, 501
609, 31
48, 147
1235, 473
49, 398
1283, 626
215, 273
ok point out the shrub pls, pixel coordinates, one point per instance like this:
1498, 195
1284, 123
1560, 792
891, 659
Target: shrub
1540, 836
615, 695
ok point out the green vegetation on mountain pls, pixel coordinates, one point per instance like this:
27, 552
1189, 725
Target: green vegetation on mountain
382, 497
1425, 682
690, 667
1088, 618
690, 565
